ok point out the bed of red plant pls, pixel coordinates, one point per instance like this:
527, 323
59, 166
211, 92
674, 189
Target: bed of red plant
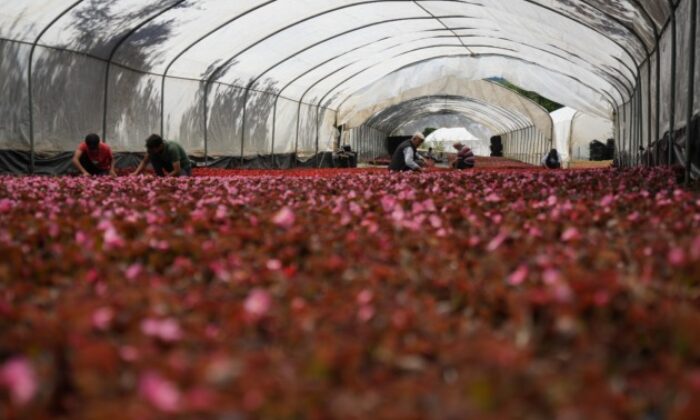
565, 294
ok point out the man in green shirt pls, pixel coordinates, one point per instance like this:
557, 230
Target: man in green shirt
167, 157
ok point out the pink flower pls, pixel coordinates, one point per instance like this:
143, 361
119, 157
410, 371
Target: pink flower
388, 203
518, 276
133, 271
676, 257
102, 318
274, 264
695, 249
365, 313
129, 353
365, 297
160, 392
258, 303
493, 198
284, 218
607, 200
167, 330
551, 277
92, 276
435, 221
497, 242
570, 234
112, 239
19, 378
6, 205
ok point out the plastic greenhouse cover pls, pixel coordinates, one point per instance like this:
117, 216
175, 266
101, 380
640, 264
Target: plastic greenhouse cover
383, 95
595, 46
443, 120
499, 120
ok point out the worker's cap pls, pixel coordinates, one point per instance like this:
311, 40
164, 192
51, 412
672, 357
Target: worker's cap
418, 135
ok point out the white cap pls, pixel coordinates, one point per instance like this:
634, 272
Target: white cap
418, 135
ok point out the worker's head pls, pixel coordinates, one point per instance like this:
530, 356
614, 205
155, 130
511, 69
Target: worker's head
93, 141
154, 144
417, 139
458, 146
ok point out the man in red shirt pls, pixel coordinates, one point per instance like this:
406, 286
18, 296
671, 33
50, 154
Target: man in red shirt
93, 157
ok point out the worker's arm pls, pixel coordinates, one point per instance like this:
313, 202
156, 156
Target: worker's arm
76, 162
112, 171
176, 170
141, 166
408, 157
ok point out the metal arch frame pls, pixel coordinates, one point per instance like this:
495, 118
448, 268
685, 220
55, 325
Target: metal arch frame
449, 103
309, 47
611, 100
689, 129
424, 114
624, 25
652, 24
519, 55
113, 52
364, 2
427, 114
634, 60
623, 81
473, 114
252, 83
354, 49
29, 80
214, 74
183, 52
448, 100
475, 100
165, 75
602, 93
672, 116
431, 14
524, 126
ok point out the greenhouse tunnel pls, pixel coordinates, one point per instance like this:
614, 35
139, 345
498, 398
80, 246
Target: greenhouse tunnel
500, 111
267, 83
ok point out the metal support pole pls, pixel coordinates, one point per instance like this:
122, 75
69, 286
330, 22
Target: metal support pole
658, 103
648, 162
243, 127
113, 52
205, 103
689, 134
274, 132
623, 141
672, 104
29, 81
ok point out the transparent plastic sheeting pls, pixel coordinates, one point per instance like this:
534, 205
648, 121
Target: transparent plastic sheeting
499, 120
367, 142
574, 131
443, 120
486, 94
526, 145
270, 76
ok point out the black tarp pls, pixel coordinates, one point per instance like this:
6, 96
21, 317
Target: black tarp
17, 162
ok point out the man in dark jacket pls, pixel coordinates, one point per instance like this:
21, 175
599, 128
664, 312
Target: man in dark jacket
406, 156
